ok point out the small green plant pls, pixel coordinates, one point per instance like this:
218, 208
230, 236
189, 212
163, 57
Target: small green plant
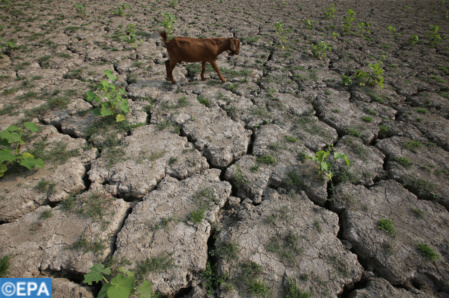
427, 252
348, 20
226, 250
413, 39
118, 286
386, 225
113, 104
367, 119
404, 161
120, 10
319, 50
391, 29
372, 77
4, 44
291, 139
346, 81
131, 36
293, 291
248, 279
204, 101
413, 145
363, 28
168, 21
329, 13
80, 9
4, 265
325, 164
211, 278
11, 140
435, 38
308, 24
266, 159
281, 34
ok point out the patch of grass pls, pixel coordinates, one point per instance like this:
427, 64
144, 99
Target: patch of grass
204, 101
318, 227
427, 252
385, 131
417, 212
227, 250
354, 132
4, 265
46, 215
367, 119
404, 161
239, 178
159, 263
286, 246
387, 225
267, 159
291, 139
413, 145
421, 110
340, 265
293, 291
248, 279
86, 246
421, 186
197, 216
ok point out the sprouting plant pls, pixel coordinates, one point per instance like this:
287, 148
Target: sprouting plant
131, 36
110, 99
435, 38
10, 45
211, 278
120, 10
294, 291
173, 3
11, 140
168, 21
413, 39
372, 77
119, 286
346, 81
308, 24
319, 50
335, 35
80, 9
325, 164
391, 29
329, 13
281, 34
364, 28
348, 20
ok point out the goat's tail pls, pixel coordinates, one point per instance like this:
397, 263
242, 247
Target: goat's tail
163, 34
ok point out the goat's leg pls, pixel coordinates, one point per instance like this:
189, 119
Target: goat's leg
203, 70
170, 66
167, 65
214, 65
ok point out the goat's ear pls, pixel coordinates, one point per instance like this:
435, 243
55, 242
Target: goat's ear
235, 44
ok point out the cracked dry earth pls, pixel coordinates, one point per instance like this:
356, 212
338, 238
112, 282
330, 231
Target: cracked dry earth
205, 175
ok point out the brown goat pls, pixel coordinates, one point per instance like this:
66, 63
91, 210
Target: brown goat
186, 49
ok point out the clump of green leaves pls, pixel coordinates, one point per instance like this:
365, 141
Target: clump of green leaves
11, 140
6, 45
168, 21
80, 9
435, 38
348, 20
427, 251
281, 34
131, 36
120, 10
286, 246
346, 81
267, 159
324, 162
413, 39
211, 279
227, 250
319, 50
111, 99
118, 286
387, 225
374, 76
329, 13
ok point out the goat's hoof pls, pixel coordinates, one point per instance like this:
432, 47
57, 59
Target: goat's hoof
223, 81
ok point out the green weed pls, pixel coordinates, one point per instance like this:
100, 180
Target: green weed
427, 252
293, 291
168, 20
226, 250
348, 20
404, 161
319, 50
325, 163
329, 13
11, 156
435, 38
374, 76
387, 225
267, 159
121, 10
4, 265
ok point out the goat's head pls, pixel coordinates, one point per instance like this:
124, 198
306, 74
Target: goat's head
234, 46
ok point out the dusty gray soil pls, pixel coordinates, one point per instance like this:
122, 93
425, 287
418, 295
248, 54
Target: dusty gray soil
205, 189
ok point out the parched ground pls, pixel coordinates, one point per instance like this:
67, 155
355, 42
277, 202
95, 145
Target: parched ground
206, 188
